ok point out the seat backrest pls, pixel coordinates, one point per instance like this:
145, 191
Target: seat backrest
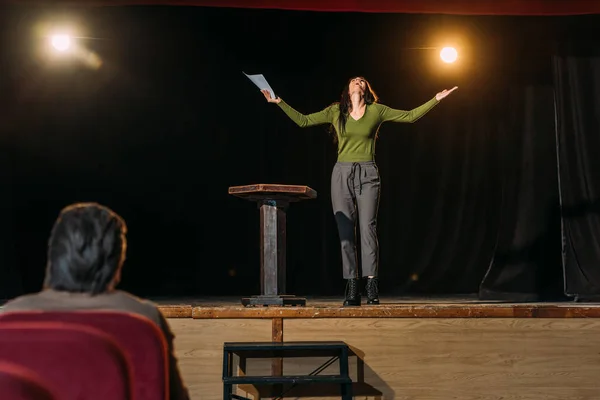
82, 363
19, 383
138, 336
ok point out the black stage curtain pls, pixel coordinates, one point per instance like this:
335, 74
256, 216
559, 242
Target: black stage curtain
526, 262
440, 193
577, 83
160, 133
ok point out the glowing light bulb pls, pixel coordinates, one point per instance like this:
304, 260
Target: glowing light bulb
448, 54
61, 42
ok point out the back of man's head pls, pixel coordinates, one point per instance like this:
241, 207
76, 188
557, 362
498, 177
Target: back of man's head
86, 249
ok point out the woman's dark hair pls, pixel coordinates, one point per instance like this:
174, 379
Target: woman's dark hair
86, 249
346, 103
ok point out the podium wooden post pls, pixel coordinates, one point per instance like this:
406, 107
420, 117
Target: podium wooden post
273, 201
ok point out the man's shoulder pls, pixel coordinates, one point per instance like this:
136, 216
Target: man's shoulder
126, 296
23, 302
128, 300
116, 300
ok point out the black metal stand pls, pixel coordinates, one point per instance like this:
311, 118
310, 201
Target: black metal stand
338, 350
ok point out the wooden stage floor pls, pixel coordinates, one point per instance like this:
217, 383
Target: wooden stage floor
407, 348
390, 307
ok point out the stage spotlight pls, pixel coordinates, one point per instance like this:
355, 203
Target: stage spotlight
448, 54
61, 42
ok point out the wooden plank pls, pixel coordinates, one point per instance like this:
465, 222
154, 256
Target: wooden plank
273, 236
289, 191
415, 358
199, 350
230, 307
404, 311
492, 359
277, 330
176, 311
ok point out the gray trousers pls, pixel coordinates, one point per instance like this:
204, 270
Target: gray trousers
355, 198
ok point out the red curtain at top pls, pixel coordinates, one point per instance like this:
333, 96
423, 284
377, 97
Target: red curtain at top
464, 7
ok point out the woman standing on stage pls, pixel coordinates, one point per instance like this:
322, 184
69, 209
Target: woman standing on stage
355, 178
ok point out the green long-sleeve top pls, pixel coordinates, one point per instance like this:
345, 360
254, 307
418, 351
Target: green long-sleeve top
357, 142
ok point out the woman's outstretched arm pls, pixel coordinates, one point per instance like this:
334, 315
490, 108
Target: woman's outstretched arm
303, 121
390, 114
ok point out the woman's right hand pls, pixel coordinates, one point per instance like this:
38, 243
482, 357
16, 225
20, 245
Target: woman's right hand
267, 95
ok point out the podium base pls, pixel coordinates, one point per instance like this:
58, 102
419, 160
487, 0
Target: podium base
274, 300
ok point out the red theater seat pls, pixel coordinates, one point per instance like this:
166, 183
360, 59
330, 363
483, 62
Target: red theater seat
19, 383
141, 339
81, 362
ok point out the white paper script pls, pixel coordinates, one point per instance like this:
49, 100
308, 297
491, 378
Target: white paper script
260, 81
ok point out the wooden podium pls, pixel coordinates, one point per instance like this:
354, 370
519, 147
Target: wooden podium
273, 201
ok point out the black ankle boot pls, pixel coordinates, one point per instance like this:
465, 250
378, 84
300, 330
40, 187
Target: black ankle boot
372, 291
352, 293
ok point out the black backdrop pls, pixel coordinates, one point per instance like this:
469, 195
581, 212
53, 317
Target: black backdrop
169, 123
577, 76
526, 263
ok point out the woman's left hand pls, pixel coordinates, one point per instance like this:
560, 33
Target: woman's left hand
445, 93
